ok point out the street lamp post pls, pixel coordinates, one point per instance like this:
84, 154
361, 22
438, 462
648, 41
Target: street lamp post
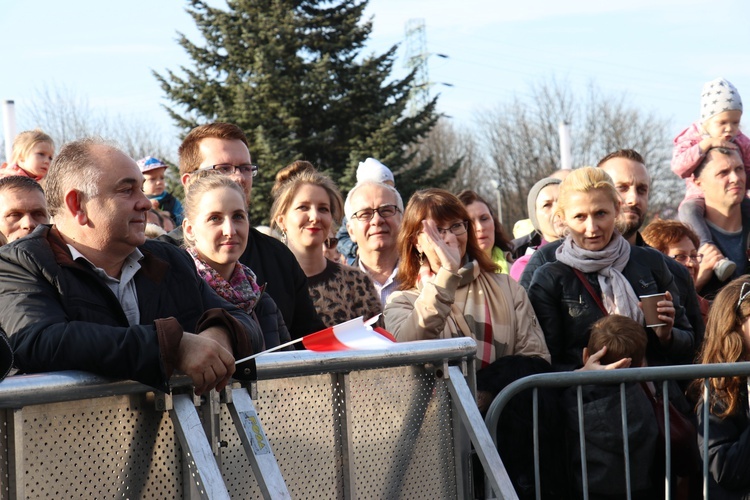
499, 199
9, 127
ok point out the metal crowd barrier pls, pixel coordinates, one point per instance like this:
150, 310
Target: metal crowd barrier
360, 424
622, 376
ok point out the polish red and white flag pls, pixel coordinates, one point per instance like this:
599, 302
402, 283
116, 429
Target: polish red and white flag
352, 335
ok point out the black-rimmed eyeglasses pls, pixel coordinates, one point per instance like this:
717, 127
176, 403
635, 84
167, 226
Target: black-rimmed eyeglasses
366, 214
247, 169
683, 258
458, 228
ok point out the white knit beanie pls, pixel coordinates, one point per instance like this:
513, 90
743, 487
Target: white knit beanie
372, 170
719, 95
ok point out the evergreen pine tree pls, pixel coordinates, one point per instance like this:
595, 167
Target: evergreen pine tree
292, 75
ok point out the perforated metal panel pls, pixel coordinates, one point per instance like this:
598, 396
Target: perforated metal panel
298, 417
4, 472
116, 447
401, 434
376, 433
400, 437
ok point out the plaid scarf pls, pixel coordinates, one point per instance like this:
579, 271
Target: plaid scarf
241, 289
480, 311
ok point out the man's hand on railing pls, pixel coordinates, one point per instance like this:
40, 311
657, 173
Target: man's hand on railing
205, 361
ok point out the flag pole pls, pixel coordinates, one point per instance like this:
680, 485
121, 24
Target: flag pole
278, 347
367, 324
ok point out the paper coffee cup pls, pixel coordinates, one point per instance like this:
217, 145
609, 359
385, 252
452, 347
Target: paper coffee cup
648, 304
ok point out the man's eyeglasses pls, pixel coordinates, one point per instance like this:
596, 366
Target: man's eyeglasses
458, 228
331, 242
743, 295
366, 214
228, 169
683, 258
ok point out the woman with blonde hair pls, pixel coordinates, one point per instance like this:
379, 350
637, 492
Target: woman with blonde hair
306, 204
31, 155
216, 227
597, 273
727, 340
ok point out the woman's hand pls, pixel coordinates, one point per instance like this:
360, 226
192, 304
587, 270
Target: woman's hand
666, 311
593, 362
438, 252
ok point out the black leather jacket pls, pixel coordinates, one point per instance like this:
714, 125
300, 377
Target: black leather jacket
566, 310
683, 280
60, 315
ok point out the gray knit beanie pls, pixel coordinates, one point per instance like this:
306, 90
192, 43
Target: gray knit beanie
719, 95
534, 194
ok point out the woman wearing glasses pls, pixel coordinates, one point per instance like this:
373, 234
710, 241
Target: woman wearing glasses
449, 288
677, 241
306, 204
727, 340
598, 273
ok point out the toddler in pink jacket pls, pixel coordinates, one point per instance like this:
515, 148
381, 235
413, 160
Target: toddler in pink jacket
719, 126
31, 155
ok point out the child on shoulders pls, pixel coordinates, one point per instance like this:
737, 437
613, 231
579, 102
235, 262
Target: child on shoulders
719, 126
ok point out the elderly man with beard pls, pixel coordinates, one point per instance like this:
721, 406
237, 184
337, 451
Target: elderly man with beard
628, 171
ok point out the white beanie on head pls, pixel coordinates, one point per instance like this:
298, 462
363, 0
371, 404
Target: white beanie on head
372, 170
719, 95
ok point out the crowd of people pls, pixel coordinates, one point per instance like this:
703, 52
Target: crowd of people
103, 270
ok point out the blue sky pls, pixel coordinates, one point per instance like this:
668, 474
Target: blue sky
659, 52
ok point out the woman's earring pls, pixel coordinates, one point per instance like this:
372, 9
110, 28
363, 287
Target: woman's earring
283, 237
420, 256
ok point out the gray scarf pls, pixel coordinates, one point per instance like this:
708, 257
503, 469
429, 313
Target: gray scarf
617, 294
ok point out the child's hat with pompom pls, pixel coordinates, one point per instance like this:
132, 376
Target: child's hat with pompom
719, 95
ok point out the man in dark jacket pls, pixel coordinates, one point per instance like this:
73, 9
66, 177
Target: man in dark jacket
223, 147
90, 293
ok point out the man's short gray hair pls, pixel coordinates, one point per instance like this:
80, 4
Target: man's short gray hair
349, 210
74, 166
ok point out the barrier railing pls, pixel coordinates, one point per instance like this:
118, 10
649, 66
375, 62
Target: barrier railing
358, 424
577, 379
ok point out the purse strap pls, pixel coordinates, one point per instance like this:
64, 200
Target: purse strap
591, 291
